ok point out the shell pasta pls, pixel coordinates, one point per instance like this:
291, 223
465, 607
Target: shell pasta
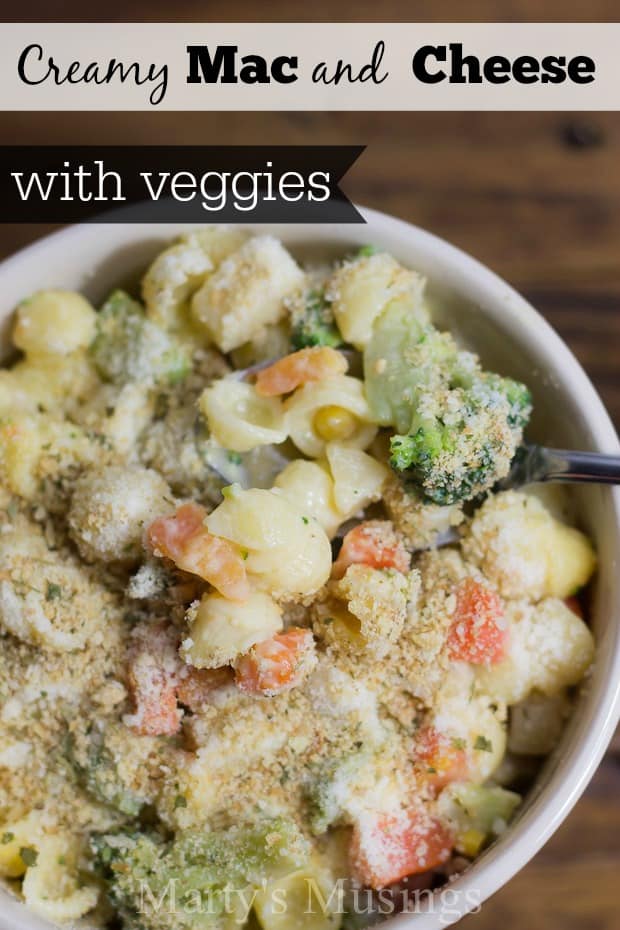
240, 419
304, 410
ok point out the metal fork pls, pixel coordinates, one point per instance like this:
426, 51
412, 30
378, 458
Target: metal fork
536, 463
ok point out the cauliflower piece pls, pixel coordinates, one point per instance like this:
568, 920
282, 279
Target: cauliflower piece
525, 551
549, 648
418, 522
54, 323
536, 723
178, 272
378, 599
112, 506
360, 289
48, 383
72, 379
247, 292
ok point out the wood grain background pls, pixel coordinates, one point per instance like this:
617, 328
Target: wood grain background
534, 196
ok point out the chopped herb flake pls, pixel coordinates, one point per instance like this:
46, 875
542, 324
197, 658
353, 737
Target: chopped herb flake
54, 592
483, 744
28, 855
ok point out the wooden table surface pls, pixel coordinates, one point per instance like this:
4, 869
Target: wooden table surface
534, 196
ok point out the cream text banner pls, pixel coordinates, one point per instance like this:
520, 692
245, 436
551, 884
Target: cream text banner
293, 66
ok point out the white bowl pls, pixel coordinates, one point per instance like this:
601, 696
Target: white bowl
511, 338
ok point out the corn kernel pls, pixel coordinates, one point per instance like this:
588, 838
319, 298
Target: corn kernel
334, 422
470, 842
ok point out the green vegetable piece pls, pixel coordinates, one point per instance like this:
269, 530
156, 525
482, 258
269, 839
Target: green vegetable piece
28, 856
130, 347
370, 916
405, 355
54, 592
482, 744
367, 250
199, 865
97, 773
457, 426
315, 325
330, 782
485, 809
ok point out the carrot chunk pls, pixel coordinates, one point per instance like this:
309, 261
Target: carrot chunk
290, 372
168, 536
477, 634
152, 680
387, 847
276, 664
372, 543
185, 540
196, 685
440, 759
157, 679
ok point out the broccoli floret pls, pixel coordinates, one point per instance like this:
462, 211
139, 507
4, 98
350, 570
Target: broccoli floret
314, 325
321, 796
134, 872
196, 869
130, 347
96, 772
446, 467
457, 426
518, 397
